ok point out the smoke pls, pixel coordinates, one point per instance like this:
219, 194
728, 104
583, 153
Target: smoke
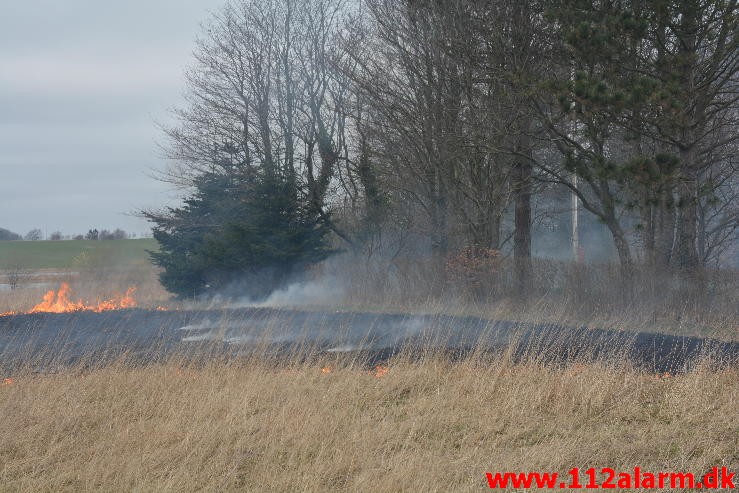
323, 291
253, 292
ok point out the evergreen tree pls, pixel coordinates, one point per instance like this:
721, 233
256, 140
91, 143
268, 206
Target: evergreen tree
651, 90
249, 234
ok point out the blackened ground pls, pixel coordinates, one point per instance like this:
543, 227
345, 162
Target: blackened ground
44, 341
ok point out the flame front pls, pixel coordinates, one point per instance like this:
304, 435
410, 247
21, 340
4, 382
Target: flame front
125, 301
60, 302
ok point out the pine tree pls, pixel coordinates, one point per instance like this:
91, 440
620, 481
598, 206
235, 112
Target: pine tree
244, 235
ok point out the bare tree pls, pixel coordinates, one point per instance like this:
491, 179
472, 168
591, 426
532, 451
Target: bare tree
263, 98
15, 275
34, 235
399, 119
416, 67
514, 45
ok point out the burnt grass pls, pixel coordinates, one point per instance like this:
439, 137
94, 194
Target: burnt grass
47, 342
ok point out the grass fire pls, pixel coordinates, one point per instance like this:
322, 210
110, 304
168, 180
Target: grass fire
368, 246
59, 301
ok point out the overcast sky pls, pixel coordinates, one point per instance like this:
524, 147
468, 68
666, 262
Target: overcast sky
82, 83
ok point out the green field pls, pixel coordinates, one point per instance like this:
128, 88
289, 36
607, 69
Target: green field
76, 254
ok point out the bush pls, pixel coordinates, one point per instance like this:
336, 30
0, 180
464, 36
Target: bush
472, 268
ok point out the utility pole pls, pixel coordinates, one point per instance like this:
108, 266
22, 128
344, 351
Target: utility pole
575, 203
575, 226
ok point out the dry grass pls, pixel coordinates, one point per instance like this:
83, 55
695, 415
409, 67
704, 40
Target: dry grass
424, 426
560, 292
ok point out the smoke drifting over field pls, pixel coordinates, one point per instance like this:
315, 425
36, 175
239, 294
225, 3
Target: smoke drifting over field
325, 291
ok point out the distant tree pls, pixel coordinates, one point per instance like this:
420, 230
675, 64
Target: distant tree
6, 235
92, 234
119, 234
34, 235
78, 237
56, 236
263, 84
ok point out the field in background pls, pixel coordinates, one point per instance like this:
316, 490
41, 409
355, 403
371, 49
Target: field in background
75, 254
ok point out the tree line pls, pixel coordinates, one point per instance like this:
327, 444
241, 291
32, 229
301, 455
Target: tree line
36, 234
389, 127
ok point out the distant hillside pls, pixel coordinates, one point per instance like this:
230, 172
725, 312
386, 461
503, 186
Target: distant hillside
78, 254
6, 235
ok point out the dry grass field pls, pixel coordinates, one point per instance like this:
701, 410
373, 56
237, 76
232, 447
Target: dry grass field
420, 426
428, 425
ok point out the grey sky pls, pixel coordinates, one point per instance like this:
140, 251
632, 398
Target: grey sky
81, 84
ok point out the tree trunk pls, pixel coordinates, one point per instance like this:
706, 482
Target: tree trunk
522, 235
690, 18
622, 247
665, 230
649, 230
687, 254
439, 238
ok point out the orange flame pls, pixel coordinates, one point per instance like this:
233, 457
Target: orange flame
326, 369
60, 302
125, 301
7, 314
380, 371
6, 381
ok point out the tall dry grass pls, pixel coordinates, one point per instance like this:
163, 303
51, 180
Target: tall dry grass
427, 425
567, 293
